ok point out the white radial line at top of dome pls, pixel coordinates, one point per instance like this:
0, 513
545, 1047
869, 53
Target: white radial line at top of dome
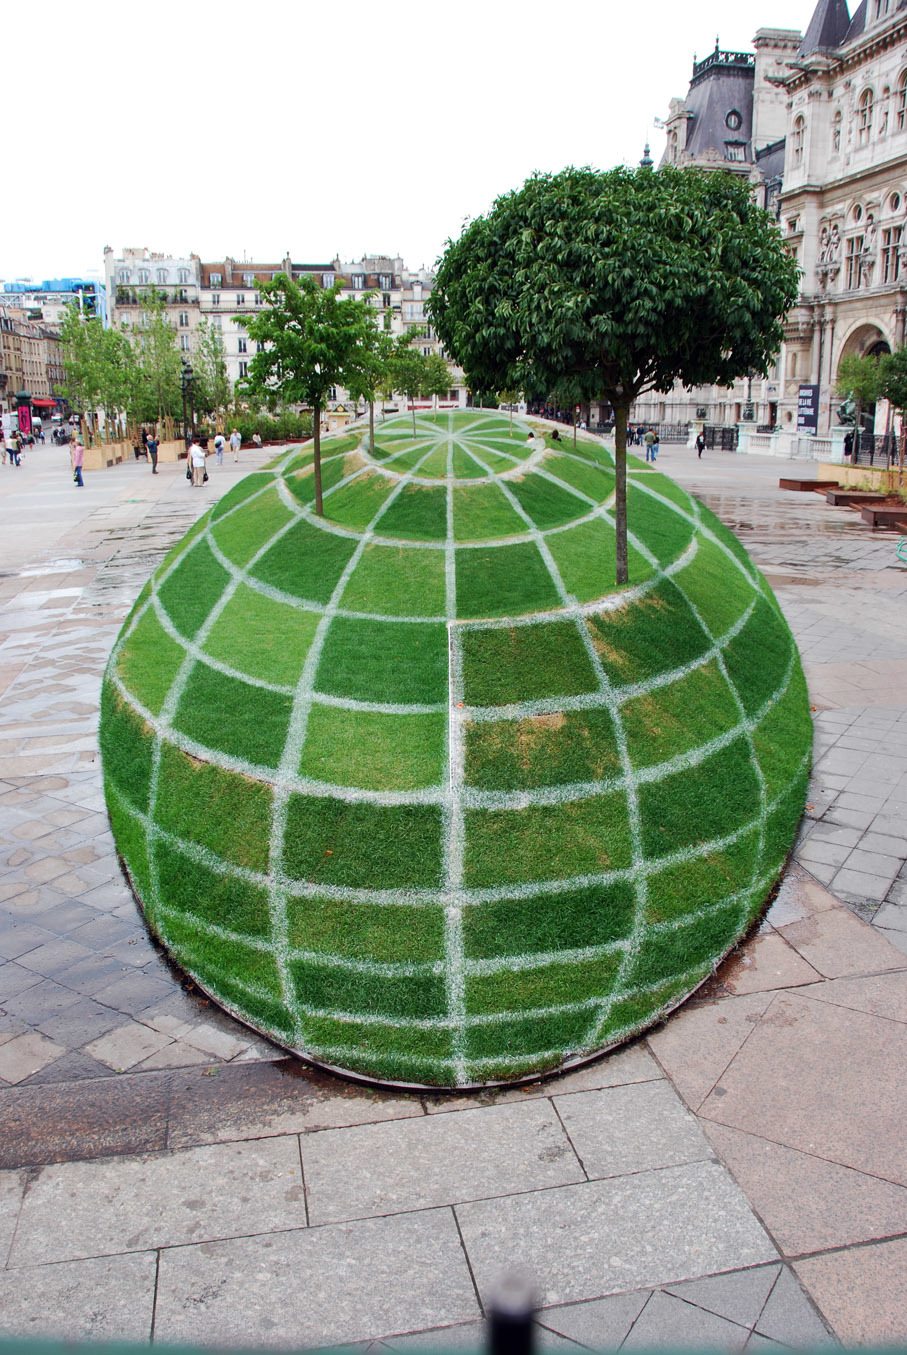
292, 755
454, 980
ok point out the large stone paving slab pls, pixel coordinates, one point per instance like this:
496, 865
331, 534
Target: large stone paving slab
631, 1129
82, 1209
605, 1237
110, 1299
323, 1286
439, 1159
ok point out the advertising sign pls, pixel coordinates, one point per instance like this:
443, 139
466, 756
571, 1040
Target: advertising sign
808, 409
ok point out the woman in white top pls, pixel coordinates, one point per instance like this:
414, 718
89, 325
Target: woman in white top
198, 453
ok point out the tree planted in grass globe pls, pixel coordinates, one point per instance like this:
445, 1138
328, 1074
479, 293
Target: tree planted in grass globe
410, 788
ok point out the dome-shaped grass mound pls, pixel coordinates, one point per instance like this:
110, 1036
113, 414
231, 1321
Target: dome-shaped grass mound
414, 791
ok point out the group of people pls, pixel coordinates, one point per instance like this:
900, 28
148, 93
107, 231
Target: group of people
198, 454
11, 448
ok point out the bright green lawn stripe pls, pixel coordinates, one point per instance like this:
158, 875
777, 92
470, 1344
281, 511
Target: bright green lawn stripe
515, 446
637, 462
495, 463
435, 465
395, 581
659, 633
405, 461
383, 933
149, 661
243, 533
374, 751
192, 589
216, 959
592, 480
482, 512
209, 895
720, 594
224, 713
508, 1037
182, 546
267, 1014
766, 634
503, 581
408, 1055
465, 467
515, 846
220, 810
782, 821
390, 662
633, 1013
677, 891
306, 562
362, 845
131, 839
664, 531
547, 505
585, 556
670, 489
784, 736
699, 803
261, 637
330, 447
302, 486
665, 955
525, 663
417, 514
419, 996
127, 747
541, 750
239, 493
545, 986
593, 916
300, 462
679, 716
356, 504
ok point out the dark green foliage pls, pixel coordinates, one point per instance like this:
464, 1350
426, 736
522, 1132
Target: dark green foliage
525, 663
127, 746
306, 562
541, 750
519, 989
331, 988
574, 919
563, 1032
363, 845
220, 810
503, 581
700, 803
385, 661
193, 588
214, 711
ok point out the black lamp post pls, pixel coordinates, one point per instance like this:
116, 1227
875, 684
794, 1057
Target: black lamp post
187, 388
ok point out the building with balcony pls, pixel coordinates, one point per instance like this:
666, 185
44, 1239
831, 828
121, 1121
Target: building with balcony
137, 275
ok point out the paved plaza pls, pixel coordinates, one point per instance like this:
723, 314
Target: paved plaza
737, 1179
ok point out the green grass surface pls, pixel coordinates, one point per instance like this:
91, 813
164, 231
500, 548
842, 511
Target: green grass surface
396, 821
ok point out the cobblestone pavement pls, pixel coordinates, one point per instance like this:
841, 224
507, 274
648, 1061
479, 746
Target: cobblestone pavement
736, 1180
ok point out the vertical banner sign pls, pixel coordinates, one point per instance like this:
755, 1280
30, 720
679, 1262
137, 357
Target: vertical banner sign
24, 414
808, 409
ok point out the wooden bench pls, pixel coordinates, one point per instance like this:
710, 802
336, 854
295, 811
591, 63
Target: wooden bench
846, 497
885, 515
808, 486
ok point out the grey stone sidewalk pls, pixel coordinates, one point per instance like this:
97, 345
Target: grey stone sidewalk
736, 1180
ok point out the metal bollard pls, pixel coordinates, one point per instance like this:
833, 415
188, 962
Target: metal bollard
511, 1313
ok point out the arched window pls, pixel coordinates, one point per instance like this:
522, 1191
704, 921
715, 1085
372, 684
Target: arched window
799, 139
900, 103
864, 118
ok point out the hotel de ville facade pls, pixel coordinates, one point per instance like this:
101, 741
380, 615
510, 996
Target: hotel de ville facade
818, 125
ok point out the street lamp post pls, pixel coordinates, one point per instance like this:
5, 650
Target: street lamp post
187, 389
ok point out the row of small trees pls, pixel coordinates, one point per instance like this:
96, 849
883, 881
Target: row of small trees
107, 370
876, 377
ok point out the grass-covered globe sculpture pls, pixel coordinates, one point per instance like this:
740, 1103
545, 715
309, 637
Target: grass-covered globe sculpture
412, 790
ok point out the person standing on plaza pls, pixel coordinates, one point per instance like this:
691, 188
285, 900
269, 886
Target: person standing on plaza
220, 443
151, 446
77, 457
198, 454
235, 443
655, 445
650, 444
15, 448
3, 451
700, 444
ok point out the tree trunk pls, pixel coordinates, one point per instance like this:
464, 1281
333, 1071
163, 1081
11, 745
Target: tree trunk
371, 426
413, 398
620, 504
316, 427
574, 430
901, 453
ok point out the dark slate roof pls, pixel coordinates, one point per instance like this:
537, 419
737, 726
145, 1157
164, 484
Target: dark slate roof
770, 159
710, 100
829, 27
857, 23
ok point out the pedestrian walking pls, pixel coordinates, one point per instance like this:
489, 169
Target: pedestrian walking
650, 444
198, 454
220, 443
15, 449
235, 443
3, 452
77, 457
700, 444
151, 445
655, 445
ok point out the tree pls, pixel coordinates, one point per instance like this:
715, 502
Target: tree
860, 380
435, 376
372, 375
407, 368
213, 388
612, 284
893, 386
310, 341
158, 361
99, 367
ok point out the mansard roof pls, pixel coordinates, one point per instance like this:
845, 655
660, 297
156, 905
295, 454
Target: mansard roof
828, 28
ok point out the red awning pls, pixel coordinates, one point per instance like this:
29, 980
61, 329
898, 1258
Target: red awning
43, 400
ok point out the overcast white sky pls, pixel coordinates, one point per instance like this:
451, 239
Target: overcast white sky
257, 127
